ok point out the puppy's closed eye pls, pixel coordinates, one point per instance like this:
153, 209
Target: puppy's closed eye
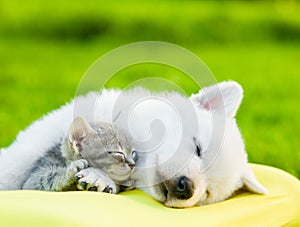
198, 148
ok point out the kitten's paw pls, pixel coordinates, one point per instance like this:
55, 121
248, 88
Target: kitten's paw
77, 166
93, 179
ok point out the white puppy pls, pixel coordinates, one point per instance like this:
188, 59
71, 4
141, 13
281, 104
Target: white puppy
213, 166
191, 151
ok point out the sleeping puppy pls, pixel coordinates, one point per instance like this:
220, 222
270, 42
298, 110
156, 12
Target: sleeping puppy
211, 163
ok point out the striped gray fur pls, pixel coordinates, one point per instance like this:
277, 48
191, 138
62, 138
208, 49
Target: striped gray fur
51, 172
100, 145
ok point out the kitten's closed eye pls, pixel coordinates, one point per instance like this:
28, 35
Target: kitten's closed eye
120, 157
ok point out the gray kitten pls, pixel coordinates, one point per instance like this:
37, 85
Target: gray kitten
94, 156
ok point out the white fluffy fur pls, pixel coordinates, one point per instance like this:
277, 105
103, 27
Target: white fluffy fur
216, 176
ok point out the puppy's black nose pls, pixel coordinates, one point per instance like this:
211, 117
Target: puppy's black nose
184, 188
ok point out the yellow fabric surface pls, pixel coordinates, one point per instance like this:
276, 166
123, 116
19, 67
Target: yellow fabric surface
34, 208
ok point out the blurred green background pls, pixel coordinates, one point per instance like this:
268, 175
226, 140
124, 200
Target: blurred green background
46, 47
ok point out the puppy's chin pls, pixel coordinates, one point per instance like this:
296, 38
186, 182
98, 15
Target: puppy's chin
161, 194
174, 202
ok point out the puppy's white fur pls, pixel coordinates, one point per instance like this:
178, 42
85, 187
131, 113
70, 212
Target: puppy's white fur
216, 176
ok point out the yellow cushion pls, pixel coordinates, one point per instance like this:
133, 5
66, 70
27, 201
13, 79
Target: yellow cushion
34, 208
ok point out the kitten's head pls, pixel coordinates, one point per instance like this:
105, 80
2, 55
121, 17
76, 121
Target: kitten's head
104, 146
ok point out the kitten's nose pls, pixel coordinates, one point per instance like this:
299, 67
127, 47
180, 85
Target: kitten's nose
130, 162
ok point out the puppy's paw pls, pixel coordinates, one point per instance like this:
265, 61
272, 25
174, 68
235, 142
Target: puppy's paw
76, 166
93, 179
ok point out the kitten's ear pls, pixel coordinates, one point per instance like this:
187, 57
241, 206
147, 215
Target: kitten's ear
78, 131
251, 184
226, 95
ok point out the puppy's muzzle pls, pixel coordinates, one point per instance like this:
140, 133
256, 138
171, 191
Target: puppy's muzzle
182, 188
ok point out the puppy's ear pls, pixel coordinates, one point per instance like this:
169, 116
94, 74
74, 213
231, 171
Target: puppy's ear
226, 95
78, 131
251, 184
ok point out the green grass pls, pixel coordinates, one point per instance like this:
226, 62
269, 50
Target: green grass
45, 48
